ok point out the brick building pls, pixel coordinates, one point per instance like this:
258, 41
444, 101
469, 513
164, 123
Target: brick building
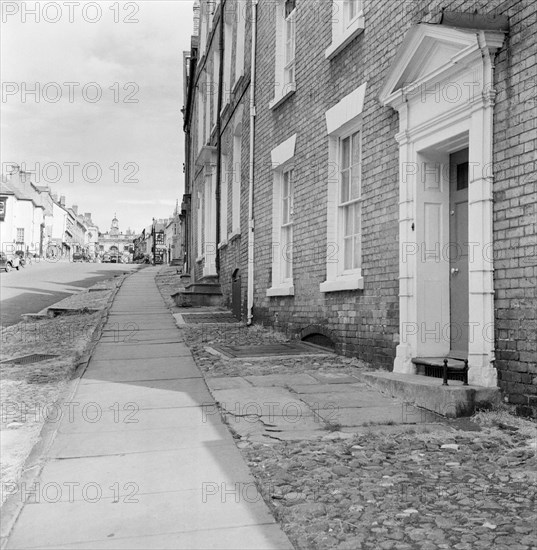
392, 188
217, 126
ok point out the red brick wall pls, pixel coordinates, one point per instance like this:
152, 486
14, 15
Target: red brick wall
365, 323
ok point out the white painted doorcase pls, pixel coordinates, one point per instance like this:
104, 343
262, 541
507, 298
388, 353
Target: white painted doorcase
441, 85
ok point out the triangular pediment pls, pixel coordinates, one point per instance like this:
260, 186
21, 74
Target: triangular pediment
427, 50
430, 57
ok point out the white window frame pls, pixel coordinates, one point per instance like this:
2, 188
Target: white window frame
228, 53
201, 123
286, 205
207, 107
344, 27
240, 8
214, 89
284, 86
351, 202
224, 191
203, 30
200, 224
282, 163
236, 175
209, 235
342, 120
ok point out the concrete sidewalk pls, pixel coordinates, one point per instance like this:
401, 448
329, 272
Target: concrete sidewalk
135, 462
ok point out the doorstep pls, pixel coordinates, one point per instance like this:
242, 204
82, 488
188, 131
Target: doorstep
428, 393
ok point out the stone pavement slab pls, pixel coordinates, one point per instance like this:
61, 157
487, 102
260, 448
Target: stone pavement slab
136, 323
136, 441
130, 416
282, 380
227, 383
153, 514
261, 401
140, 340
133, 351
385, 414
335, 378
131, 370
357, 398
260, 537
326, 388
152, 472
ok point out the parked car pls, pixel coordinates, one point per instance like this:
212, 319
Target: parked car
78, 257
8, 264
22, 258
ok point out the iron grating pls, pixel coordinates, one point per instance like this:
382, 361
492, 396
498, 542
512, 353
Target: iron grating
271, 350
29, 359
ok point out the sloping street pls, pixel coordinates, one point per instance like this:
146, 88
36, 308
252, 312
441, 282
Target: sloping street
43, 283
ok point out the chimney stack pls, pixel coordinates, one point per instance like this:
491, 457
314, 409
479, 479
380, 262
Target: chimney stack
74, 208
62, 200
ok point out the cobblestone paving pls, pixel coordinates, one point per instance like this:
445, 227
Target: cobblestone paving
427, 491
447, 489
462, 488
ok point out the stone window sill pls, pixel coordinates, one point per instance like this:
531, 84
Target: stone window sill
340, 42
234, 235
290, 90
347, 282
287, 289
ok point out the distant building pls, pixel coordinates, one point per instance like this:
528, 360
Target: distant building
23, 211
116, 242
61, 234
91, 236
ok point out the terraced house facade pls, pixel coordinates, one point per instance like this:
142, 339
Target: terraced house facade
387, 200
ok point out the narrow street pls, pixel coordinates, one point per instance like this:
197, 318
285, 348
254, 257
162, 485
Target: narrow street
42, 284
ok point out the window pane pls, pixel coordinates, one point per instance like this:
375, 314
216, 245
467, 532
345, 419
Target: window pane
357, 252
289, 7
357, 218
349, 220
352, 9
356, 158
347, 245
287, 253
285, 211
345, 153
344, 186
289, 76
355, 182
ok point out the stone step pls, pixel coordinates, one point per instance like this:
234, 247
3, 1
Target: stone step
199, 294
429, 393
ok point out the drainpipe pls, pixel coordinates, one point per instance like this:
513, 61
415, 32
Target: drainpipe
251, 237
218, 136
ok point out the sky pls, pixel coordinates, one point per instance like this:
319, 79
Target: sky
91, 102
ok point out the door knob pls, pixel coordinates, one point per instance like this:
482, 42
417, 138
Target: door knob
454, 271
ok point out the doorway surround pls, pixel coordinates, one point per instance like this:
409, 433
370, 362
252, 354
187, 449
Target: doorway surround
441, 84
